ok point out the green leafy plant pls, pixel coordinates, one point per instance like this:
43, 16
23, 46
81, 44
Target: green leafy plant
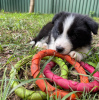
91, 13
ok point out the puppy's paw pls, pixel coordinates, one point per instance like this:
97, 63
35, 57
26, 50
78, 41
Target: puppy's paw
41, 45
45, 46
32, 42
76, 55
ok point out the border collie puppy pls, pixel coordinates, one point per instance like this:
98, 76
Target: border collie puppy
68, 33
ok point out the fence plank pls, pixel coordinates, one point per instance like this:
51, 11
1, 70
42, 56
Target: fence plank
54, 4
70, 6
91, 5
97, 9
77, 6
84, 7
74, 6
64, 5
67, 5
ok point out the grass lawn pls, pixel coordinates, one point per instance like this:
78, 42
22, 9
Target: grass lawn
16, 30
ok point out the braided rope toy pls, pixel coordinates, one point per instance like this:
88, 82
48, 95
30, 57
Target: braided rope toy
35, 70
94, 85
67, 84
22, 92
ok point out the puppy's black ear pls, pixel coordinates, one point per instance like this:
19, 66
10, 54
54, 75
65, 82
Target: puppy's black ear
92, 25
57, 16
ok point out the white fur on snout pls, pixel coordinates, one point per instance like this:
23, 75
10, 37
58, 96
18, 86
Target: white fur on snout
63, 39
65, 43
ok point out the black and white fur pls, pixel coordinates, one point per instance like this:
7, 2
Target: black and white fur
68, 33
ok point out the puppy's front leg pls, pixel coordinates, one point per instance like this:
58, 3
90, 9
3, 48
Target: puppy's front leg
80, 53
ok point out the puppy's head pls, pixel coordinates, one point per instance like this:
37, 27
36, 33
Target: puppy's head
72, 31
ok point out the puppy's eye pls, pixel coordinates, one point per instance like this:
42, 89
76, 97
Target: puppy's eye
60, 29
58, 32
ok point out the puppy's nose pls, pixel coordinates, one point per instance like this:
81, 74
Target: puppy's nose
59, 49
